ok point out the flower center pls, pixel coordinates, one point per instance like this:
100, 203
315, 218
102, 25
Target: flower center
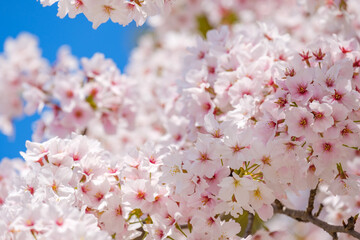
302, 89
303, 122
108, 9
327, 147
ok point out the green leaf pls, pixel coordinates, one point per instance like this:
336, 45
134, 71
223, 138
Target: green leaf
230, 18
148, 220
343, 5
203, 25
190, 226
136, 212
90, 100
243, 221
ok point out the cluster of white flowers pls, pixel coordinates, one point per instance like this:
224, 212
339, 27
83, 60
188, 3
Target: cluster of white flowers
16, 77
119, 11
199, 134
46, 200
77, 97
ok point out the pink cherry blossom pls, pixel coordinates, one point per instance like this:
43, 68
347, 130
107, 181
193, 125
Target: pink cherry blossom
299, 121
199, 132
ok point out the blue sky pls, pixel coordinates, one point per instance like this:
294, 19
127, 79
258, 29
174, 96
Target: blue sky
18, 16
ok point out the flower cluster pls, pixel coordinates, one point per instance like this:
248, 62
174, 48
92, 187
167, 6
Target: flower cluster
304, 19
63, 182
98, 12
77, 97
77, 186
199, 134
17, 78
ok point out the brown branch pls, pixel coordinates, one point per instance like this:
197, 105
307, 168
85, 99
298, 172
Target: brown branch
312, 196
84, 132
304, 216
249, 224
319, 211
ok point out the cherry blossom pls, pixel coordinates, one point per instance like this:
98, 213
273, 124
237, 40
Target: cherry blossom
199, 134
98, 12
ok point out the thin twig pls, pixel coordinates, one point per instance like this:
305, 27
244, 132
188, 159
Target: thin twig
319, 211
303, 216
249, 224
312, 196
84, 131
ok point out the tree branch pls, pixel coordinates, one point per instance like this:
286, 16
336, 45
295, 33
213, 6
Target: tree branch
312, 196
84, 132
304, 216
319, 211
249, 224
